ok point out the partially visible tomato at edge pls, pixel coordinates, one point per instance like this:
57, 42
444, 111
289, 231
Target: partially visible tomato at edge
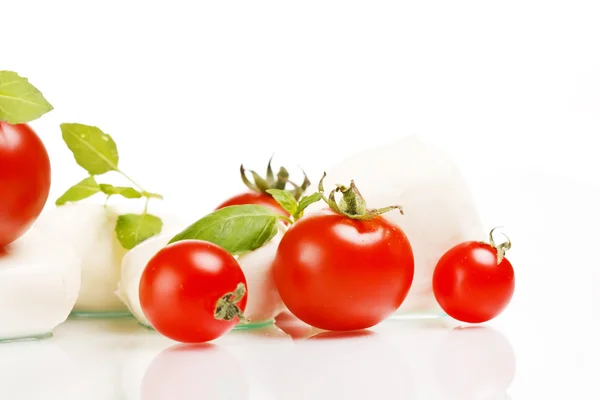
470, 285
181, 285
338, 273
261, 199
24, 180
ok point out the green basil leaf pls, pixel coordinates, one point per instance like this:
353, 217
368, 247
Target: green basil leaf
285, 199
133, 229
93, 149
307, 201
152, 195
20, 101
82, 190
125, 191
237, 229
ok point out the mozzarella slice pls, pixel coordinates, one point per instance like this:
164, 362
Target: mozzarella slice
90, 229
264, 303
39, 284
132, 268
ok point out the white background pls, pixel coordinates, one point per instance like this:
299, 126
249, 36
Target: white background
511, 89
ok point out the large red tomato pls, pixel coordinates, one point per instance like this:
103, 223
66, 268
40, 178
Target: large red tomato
193, 291
338, 273
472, 283
24, 180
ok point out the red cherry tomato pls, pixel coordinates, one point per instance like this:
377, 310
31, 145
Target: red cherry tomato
261, 199
24, 180
183, 285
469, 283
338, 273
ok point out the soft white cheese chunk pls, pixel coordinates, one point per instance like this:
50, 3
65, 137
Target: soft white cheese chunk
39, 283
90, 229
438, 209
264, 302
132, 268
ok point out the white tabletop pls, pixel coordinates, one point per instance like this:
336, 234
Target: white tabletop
401, 359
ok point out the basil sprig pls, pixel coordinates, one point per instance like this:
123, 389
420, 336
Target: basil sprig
97, 153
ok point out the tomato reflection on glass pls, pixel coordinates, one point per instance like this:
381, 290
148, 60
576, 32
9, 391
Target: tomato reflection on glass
194, 371
475, 362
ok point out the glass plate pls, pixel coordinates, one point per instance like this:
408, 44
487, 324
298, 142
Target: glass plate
256, 325
27, 338
418, 315
101, 314
239, 327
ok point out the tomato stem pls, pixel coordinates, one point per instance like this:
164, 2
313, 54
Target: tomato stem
501, 248
261, 185
131, 180
286, 219
227, 309
352, 204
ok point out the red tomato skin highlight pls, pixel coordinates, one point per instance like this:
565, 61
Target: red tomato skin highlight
470, 285
340, 274
261, 199
24, 180
181, 285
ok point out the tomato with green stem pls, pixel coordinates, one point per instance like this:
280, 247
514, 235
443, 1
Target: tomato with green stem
346, 267
474, 282
193, 291
258, 189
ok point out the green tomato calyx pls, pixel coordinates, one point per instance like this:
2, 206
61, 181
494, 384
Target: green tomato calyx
227, 308
502, 247
261, 185
352, 204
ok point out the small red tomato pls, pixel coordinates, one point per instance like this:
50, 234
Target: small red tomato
338, 273
24, 180
260, 199
193, 291
473, 282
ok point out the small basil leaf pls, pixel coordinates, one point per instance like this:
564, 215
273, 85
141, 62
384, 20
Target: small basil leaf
237, 229
127, 192
285, 199
307, 201
152, 195
94, 150
20, 101
82, 190
133, 229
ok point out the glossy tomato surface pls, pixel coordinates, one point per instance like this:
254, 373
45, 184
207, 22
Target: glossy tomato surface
181, 285
337, 273
24, 180
470, 285
261, 199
